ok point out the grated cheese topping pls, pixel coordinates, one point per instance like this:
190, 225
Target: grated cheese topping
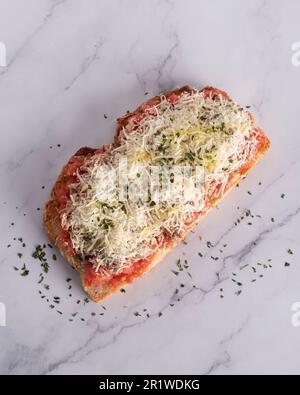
198, 134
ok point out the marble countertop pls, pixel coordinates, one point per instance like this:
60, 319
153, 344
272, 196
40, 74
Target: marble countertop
72, 68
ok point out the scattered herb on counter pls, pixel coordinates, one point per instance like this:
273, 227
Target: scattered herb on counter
215, 258
45, 267
178, 264
24, 271
209, 244
39, 253
222, 293
56, 299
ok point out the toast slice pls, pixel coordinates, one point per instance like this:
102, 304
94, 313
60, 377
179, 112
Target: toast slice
52, 217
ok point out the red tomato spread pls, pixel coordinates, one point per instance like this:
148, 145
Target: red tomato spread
129, 273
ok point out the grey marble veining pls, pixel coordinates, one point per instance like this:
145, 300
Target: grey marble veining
72, 69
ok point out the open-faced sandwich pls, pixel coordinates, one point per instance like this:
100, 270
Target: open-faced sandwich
116, 211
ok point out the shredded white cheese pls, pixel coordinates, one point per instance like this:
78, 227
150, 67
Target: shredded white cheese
195, 132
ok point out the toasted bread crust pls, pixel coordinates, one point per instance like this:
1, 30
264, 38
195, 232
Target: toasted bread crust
52, 221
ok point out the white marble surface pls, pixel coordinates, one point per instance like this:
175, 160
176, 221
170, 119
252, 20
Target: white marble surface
68, 64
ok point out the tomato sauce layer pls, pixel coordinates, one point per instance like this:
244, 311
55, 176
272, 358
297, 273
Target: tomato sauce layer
62, 194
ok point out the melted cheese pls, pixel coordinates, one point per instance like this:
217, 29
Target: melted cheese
195, 133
